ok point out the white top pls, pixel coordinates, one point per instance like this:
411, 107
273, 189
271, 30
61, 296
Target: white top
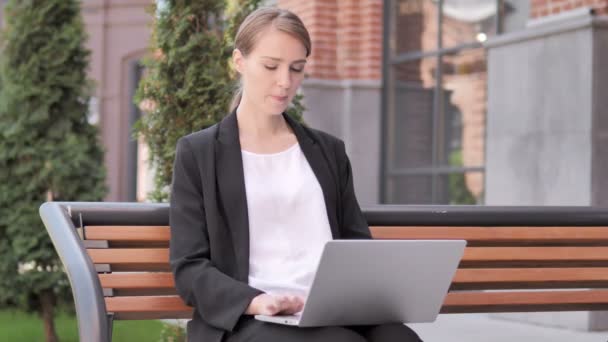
288, 224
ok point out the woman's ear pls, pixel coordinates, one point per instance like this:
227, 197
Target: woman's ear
238, 60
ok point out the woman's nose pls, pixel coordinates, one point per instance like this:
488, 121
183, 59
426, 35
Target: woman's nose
284, 79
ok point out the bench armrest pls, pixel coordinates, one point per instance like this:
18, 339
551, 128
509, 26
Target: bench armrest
91, 311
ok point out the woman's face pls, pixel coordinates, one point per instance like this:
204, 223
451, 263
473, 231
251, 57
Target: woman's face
271, 73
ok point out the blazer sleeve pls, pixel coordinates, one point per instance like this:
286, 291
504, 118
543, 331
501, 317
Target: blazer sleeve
219, 299
354, 224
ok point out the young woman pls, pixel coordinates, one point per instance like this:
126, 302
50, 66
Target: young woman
255, 198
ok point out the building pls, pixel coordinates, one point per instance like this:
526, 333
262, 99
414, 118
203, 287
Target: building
119, 37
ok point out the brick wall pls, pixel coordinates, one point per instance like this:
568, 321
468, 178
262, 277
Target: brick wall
346, 35
542, 8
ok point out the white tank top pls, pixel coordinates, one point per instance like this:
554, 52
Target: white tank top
288, 224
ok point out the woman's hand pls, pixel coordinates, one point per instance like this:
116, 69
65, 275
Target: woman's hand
271, 305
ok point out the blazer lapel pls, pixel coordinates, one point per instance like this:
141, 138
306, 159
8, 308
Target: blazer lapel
319, 164
231, 187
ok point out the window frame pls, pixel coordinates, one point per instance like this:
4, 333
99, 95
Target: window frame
436, 170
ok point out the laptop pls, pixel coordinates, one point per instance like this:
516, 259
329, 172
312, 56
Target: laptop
366, 282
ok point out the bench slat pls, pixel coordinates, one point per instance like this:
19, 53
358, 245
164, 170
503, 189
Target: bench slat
530, 278
474, 235
534, 256
129, 255
128, 233
150, 307
465, 279
148, 280
520, 301
500, 235
456, 302
472, 255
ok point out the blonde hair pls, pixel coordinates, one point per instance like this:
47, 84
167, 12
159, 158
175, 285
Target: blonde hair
260, 19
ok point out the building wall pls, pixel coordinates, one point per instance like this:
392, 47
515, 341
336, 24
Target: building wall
599, 196
346, 35
119, 33
543, 8
539, 120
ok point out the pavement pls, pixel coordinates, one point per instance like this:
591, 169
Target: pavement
482, 328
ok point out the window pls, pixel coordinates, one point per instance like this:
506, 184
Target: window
434, 98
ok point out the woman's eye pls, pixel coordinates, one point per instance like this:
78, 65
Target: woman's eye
274, 67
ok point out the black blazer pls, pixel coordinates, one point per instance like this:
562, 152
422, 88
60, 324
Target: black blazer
209, 247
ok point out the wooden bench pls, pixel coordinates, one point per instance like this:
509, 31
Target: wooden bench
518, 259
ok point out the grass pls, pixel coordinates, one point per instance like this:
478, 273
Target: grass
18, 326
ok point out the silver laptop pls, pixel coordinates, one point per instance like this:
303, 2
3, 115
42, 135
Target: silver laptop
362, 282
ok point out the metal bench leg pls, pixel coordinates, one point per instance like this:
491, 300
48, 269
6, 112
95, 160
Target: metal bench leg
110, 324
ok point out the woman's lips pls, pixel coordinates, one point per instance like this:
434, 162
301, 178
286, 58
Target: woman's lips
279, 98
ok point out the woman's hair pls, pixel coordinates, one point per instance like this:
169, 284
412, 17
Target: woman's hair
256, 22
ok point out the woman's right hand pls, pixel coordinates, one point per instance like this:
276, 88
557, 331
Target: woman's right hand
270, 305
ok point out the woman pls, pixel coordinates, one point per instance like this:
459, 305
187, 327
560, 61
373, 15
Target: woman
255, 197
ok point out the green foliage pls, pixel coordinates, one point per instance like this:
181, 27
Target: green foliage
18, 326
48, 149
458, 190
188, 83
173, 333
186, 80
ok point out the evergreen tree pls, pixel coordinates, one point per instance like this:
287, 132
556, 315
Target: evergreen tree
189, 82
48, 149
186, 81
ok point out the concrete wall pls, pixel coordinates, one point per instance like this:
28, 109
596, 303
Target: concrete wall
599, 195
350, 110
599, 181
539, 118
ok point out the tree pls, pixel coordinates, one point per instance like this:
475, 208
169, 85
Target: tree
48, 149
458, 191
188, 81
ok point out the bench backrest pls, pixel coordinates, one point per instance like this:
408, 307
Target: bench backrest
527, 268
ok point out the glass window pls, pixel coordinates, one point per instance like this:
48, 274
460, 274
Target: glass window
414, 26
411, 118
435, 100
462, 122
467, 21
